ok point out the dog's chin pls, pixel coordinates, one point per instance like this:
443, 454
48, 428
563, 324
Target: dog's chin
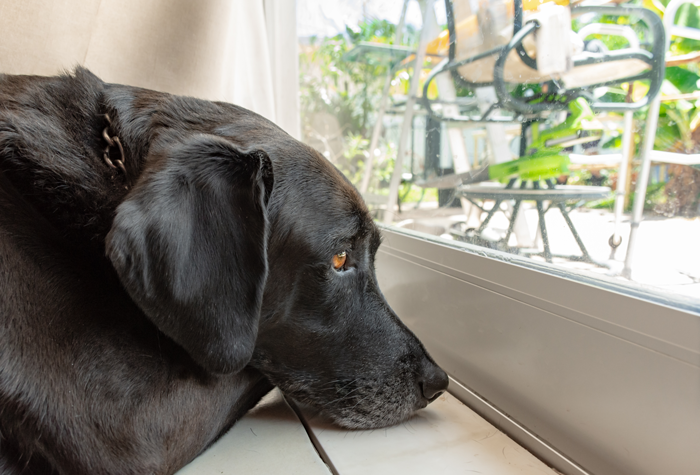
374, 417
362, 403
371, 409
371, 401
375, 404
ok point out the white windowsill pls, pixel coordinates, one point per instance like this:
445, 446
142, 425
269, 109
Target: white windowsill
447, 437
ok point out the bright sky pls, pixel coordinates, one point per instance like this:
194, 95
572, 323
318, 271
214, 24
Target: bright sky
329, 17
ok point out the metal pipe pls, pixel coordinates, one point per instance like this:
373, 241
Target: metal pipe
648, 146
369, 164
627, 152
642, 179
408, 115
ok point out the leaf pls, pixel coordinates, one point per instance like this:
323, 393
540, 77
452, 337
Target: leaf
684, 105
667, 135
688, 15
695, 120
654, 6
686, 81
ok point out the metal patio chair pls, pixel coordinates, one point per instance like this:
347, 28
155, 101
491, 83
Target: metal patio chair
511, 63
482, 54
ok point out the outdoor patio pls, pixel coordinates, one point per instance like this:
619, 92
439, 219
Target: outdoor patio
667, 254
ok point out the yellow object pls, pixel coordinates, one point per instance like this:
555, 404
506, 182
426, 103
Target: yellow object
440, 46
532, 5
470, 26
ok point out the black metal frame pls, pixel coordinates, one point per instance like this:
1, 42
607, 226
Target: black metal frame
528, 111
501, 195
655, 59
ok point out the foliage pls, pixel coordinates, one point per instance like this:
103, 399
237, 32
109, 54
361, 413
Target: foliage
349, 92
355, 155
678, 128
679, 121
328, 83
655, 197
410, 193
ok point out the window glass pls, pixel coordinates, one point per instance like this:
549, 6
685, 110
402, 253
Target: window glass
539, 152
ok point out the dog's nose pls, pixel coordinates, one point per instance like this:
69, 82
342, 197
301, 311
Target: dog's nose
433, 381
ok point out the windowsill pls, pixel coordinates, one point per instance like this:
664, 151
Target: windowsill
446, 437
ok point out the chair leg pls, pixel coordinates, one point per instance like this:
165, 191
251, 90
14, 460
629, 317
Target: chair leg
511, 224
543, 231
565, 213
543, 225
514, 216
567, 218
492, 211
495, 208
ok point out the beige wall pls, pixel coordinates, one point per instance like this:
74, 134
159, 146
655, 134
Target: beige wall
239, 51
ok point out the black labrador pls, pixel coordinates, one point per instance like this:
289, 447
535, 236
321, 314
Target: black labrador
164, 261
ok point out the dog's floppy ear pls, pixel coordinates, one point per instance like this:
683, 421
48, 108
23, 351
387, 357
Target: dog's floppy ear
189, 244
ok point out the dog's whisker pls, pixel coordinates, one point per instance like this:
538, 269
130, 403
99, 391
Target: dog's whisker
348, 384
345, 396
366, 397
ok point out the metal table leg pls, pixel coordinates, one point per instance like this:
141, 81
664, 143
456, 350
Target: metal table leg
567, 218
495, 208
514, 216
543, 226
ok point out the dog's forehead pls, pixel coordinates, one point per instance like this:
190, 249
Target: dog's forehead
310, 190
309, 193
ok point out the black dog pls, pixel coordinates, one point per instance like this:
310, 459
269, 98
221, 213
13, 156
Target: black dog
163, 262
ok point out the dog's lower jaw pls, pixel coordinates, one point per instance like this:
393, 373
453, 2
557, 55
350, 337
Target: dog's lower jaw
376, 420
359, 403
389, 404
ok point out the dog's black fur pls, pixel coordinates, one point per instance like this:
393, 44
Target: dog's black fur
142, 314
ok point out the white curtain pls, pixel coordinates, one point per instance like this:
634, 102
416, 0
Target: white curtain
239, 51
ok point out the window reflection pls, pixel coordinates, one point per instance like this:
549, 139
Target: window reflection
525, 133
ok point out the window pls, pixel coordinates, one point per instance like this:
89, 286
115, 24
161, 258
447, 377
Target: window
597, 356
485, 161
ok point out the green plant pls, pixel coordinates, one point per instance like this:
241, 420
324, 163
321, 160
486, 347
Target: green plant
349, 92
678, 128
655, 196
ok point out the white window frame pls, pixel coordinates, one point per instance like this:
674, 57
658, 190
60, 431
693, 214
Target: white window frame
595, 376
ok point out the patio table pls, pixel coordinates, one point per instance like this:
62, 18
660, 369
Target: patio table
556, 195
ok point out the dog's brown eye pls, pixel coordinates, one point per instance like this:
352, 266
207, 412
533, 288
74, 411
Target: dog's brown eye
339, 260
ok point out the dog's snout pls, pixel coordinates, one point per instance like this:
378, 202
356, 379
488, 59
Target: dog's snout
433, 380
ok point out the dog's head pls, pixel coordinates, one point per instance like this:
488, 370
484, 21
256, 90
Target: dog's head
263, 254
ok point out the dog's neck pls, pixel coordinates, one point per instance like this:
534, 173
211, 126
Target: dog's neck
52, 143
54, 156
